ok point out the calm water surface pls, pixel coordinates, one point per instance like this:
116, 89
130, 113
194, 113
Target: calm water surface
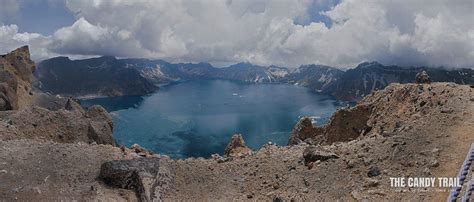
197, 118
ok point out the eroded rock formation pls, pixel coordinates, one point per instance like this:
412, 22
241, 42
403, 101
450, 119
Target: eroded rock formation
346, 124
42, 116
16, 74
237, 147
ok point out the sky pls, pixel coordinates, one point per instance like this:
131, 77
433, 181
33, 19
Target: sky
289, 33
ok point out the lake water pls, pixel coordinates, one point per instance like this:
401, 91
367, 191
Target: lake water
198, 118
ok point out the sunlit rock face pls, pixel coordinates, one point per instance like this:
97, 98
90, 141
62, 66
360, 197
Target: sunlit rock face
16, 74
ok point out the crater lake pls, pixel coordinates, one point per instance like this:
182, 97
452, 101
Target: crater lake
197, 118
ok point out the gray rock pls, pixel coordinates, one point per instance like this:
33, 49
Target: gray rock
150, 178
100, 132
313, 154
373, 172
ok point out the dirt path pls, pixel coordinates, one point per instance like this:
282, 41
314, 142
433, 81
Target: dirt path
461, 136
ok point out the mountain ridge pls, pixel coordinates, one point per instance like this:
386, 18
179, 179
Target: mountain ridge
143, 74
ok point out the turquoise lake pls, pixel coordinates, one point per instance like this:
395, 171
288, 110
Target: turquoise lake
197, 118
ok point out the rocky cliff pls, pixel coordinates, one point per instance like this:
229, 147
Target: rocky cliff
31, 114
367, 77
16, 74
104, 76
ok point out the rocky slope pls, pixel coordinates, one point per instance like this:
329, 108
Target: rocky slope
412, 130
49, 144
316, 77
104, 76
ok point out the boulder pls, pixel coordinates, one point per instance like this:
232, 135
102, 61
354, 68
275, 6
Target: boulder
100, 132
373, 171
150, 178
237, 147
313, 153
422, 77
98, 113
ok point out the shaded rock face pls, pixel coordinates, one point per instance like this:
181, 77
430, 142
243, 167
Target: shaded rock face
237, 147
344, 125
368, 77
16, 74
303, 130
150, 178
422, 77
400, 104
347, 124
104, 76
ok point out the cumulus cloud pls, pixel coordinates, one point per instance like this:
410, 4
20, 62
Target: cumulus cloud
84, 38
278, 32
11, 39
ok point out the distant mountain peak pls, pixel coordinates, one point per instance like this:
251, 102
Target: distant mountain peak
368, 64
108, 58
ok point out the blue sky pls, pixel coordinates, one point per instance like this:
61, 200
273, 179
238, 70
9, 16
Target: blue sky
340, 33
41, 16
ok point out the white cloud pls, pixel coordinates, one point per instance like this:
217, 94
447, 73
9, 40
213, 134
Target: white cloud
404, 32
11, 39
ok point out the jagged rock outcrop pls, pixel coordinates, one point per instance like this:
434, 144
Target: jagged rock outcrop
150, 178
346, 124
422, 77
399, 103
41, 116
16, 74
350, 123
304, 130
237, 147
